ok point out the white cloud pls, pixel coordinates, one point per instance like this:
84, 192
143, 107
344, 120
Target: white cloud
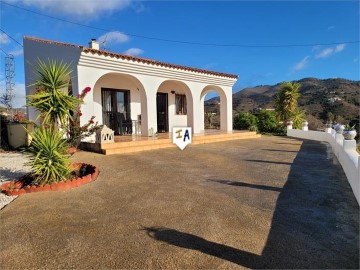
325, 53
114, 37
339, 47
302, 64
76, 7
4, 39
330, 51
17, 52
139, 7
134, 51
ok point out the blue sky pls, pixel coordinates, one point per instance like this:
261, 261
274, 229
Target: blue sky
261, 41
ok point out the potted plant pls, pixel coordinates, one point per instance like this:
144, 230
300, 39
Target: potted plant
349, 132
339, 128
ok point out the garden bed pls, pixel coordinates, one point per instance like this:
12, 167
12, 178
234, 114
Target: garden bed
82, 173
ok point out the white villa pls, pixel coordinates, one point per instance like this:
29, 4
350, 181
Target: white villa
131, 94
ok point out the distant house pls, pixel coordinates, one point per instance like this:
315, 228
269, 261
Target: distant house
334, 99
129, 92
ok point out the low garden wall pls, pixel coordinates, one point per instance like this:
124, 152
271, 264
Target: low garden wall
344, 150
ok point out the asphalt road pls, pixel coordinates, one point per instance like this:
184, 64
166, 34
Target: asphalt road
273, 202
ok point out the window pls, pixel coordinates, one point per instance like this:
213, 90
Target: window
180, 103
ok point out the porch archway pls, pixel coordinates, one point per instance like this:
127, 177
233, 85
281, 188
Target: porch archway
179, 105
219, 108
120, 102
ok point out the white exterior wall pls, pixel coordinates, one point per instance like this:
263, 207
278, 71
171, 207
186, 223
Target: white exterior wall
152, 79
143, 80
38, 50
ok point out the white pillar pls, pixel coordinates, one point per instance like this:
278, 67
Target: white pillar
202, 114
148, 118
305, 126
349, 145
226, 120
149, 108
339, 138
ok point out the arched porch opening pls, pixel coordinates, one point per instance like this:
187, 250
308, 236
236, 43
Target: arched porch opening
174, 105
214, 114
211, 110
120, 102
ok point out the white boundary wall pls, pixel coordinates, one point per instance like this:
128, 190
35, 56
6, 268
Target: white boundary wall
344, 150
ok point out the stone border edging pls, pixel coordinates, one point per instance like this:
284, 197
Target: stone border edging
62, 185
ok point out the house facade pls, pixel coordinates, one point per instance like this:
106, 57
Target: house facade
132, 94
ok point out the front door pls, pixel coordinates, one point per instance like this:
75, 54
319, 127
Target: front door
162, 112
116, 110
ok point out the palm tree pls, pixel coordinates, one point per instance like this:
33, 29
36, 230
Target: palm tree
286, 100
50, 99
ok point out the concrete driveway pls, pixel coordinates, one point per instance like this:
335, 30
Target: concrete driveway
273, 202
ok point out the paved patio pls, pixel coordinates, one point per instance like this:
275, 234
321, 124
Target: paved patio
271, 202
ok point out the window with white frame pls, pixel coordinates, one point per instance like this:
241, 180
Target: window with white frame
180, 104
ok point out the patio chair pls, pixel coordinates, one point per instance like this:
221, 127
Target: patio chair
125, 125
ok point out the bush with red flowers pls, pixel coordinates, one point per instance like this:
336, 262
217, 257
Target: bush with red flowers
75, 131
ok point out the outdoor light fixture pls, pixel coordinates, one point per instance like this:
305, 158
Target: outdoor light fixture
172, 92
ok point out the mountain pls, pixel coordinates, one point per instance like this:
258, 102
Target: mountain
321, 99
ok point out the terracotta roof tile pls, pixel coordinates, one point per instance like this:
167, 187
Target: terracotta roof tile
133, 58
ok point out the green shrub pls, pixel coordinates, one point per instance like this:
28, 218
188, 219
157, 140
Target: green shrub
48, 156
245, 121
267, 121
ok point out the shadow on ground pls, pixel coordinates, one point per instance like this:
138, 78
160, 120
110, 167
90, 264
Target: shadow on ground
315, 223
278, 150
242, 184
6, 174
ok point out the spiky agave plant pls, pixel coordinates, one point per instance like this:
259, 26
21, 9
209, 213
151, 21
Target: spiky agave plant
47, 151
53, 103
48, 156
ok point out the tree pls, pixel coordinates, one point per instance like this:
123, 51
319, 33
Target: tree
286, 100
297, 117
6, 99
330, 117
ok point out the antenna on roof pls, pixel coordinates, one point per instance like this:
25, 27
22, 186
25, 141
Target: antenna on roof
104, 43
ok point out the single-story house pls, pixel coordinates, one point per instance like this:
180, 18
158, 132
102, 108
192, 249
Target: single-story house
132, 94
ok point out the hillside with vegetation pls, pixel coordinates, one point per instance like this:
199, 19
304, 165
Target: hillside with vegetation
322, 100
